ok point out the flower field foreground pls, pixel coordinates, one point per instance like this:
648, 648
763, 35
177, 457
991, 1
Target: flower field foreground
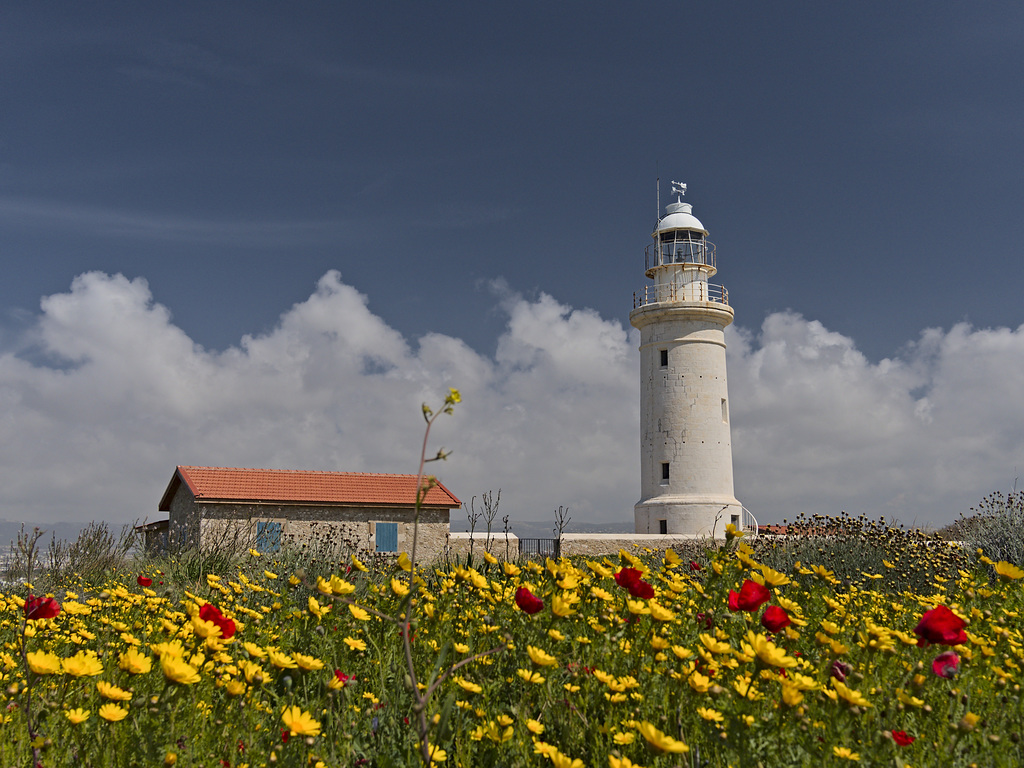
654, 661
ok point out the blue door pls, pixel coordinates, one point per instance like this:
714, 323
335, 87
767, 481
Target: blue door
387, 537
268, 536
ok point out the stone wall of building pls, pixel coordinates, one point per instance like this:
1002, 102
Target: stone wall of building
217, 525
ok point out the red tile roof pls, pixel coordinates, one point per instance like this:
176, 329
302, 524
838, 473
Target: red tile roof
303, 487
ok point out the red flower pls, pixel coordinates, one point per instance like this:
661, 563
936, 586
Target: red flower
627, 577
901, 738
840, 669
284, 736
211, 613
342, 677
695, 566
528, 602
750, 597
144, 581
41, 608
775, 619
946, 664
940, 625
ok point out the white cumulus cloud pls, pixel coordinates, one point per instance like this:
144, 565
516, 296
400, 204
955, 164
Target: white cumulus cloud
104, 395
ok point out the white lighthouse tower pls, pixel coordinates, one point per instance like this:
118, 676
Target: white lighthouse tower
685, 446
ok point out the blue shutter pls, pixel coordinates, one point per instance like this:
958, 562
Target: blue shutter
268, 536
387, 537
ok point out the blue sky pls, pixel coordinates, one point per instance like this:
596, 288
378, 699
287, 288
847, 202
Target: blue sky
471, 170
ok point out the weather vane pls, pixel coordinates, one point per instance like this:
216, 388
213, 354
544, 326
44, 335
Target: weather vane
678, 189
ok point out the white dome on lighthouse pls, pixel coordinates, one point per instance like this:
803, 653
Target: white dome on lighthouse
678, 216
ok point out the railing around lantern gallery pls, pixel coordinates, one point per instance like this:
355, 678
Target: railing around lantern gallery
674, 292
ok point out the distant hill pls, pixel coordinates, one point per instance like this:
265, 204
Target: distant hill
63, 531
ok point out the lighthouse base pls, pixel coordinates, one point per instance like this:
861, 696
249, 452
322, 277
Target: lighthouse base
687, 515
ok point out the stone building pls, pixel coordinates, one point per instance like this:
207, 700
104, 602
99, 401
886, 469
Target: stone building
218, 507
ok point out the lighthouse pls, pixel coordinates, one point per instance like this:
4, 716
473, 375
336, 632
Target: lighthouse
686, 484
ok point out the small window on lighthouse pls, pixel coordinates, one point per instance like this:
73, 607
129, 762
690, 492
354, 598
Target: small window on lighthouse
663, 526
725, 411
664, 358
664, 473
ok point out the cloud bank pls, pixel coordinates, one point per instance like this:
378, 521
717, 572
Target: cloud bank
104, 395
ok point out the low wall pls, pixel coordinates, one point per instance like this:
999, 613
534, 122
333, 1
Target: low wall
584, 544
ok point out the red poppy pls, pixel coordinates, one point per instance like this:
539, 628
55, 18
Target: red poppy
695, 566
840, 669
940, 625
750, 597
528, 602
41, 608
627, 577
901, 738
211, 613
946, 664
775, 619
342, 677
144, 581
284, 736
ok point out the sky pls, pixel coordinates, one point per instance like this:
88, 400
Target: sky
262, 235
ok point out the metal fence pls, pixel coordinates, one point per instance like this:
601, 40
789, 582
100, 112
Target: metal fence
540, 547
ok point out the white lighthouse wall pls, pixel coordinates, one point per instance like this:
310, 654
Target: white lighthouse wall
684, 410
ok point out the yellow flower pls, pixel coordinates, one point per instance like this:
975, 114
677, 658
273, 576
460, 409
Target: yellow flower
83, 663
731, 532
711, 715
659, 612
43, 662
299, 723
621, 762
177, 671
530, 676
845, 753
511, 569
773, 578
770, 653
624, 739
791, 694
316, 609
308, 663
339, 586
660, 741
490, 558
560, 606
281, 660
253, 552
235, 687
534, 726
437, 755
1007, 571
270, 575
699, 682
358, 613
354, 644
358, 564
77, 716
467, 685
404, 563
849, 694
671, 558
113, 713
540, 657
713, 645
400, 588
254, 650
681, 653
112, 692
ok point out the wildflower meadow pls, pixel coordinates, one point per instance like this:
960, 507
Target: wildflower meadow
857, 645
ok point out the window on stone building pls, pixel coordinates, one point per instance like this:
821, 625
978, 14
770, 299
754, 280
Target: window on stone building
386, 536
664, 472
663, 526
268, 535
664, 358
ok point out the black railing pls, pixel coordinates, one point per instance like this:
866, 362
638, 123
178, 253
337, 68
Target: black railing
540, 547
